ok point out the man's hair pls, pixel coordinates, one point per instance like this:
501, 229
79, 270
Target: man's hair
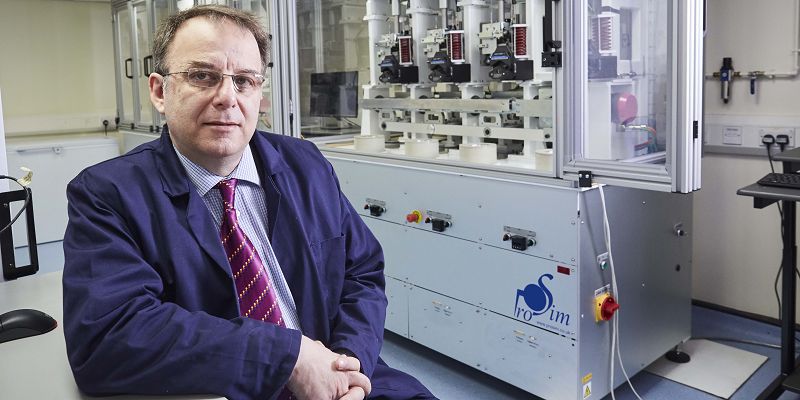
216, 14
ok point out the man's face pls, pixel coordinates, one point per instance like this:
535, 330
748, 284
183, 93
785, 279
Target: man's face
209, 125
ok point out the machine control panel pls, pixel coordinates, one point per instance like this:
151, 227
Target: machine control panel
518, 242
376, 207
439, 221
520, 239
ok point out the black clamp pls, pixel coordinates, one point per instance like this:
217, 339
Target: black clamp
375, 210
519, 242
10, 269
438, 225
585, 178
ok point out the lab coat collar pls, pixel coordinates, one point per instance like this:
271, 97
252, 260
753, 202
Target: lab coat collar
175, 181
176, 184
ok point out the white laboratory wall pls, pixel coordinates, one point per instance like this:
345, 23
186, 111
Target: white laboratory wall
56, 66
736, 247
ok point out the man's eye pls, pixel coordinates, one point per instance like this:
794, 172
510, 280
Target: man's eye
202, 76
244, 81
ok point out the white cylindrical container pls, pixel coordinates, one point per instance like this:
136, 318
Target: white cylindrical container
369, 143
425, 148
544, 159
484, 153
377, 15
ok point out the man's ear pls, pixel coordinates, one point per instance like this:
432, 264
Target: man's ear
157, 91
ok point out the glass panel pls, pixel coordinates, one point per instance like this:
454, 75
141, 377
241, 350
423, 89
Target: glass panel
207, 2
453, 83
262, 10
126, 64
184, 4
143, 43
333, 59
161, 10
627, 114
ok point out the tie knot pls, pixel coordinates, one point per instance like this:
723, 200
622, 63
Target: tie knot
227, 189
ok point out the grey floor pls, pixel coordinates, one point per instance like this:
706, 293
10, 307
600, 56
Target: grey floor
451, 380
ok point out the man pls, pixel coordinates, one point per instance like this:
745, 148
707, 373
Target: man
219, 259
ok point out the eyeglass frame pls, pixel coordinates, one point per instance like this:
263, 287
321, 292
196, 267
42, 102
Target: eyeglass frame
222, 76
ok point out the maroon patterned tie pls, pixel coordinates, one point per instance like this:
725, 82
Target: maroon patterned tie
256, 296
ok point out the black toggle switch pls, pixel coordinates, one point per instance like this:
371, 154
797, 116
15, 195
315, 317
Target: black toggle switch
376, 211
439, 225
520, 242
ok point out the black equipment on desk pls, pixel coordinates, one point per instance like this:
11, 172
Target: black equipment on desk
791, 181
18, 324
10, 269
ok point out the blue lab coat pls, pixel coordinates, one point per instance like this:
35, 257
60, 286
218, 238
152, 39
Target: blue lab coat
149, 303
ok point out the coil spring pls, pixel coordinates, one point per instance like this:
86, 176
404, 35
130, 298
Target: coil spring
604, 33
405, 51
455, 46
520, 41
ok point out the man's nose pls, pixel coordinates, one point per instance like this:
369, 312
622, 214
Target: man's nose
225, 93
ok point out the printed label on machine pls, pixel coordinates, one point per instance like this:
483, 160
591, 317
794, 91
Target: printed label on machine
587, 385
539, 307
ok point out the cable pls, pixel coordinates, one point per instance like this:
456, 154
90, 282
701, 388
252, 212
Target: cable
651, 143
768, 145
775, 287
615, 292
768, 141
27, 198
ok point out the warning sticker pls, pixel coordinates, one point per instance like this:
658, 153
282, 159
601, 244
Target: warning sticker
587, 378
587, 390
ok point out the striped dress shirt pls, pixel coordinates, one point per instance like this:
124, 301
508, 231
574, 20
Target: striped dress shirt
251, 208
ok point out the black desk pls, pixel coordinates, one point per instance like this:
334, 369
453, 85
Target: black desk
763, 196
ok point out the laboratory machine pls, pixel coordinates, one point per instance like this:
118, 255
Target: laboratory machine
528, 167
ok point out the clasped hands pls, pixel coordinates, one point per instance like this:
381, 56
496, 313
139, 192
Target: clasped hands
321, 374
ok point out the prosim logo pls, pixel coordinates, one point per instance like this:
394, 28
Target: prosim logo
538, 300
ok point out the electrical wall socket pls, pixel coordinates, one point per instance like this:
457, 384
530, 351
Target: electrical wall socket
741, 134
775, 132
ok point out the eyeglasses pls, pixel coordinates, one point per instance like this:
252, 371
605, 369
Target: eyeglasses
245, 82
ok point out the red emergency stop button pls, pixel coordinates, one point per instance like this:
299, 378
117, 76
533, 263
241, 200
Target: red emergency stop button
605, 306
414, 217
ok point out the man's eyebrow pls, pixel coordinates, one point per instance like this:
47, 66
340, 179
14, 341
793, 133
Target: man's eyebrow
201, 64
248, 71
207, 65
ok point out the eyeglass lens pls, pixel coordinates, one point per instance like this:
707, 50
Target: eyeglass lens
243, 82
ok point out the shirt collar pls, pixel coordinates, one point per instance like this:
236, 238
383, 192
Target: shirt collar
204, 180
